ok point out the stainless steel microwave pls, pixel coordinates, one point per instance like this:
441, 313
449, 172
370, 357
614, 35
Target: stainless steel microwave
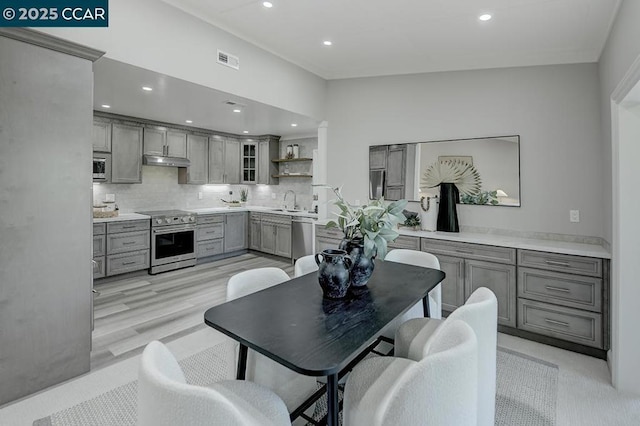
101, 167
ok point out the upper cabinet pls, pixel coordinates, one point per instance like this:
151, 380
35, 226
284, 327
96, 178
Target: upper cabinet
126, 153
101, 135
197, 173
165, 142
267, 151
249, 161
224, 159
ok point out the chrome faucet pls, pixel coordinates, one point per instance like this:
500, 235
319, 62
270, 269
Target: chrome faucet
284, 200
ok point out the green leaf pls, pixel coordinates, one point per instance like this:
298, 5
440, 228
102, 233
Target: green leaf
331, 224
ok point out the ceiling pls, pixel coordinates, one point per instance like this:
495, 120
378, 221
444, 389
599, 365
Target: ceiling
374, 37
172, 100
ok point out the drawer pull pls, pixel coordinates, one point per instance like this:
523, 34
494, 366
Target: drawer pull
562, 290
129, 227
128, 263
554, 322
463, 251
556, 263
128, 243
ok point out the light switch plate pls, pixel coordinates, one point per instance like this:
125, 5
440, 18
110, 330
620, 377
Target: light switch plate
110, 197
199, 195
273, 196
574, 216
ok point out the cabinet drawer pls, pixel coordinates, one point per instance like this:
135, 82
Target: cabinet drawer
405, 242
99, 229
561, 262
210, 232
323, 243
563, 323
128, 226
255, 216
99, 270
210, 218
469, 251
276, 219
127, 262
210, 248
129, 241
563, 289
335, 233
99, 245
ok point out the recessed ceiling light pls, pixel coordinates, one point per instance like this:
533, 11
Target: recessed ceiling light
484, 17
267, 4
294, 125
327, 43
245, 131
237, 110
189, 121
147, 88
106, 106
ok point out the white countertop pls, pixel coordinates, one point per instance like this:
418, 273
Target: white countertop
273, 210
120, 217
552, 246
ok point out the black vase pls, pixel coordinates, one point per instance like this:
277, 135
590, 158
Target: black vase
362, 265
333, 273
447, 213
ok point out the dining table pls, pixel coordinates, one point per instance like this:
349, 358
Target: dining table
294, 325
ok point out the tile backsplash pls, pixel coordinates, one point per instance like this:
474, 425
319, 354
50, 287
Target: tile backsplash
160, 189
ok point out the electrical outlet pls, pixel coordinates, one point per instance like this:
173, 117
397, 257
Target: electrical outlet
273, 196
357, 202
110, 197
199, 195
574, 215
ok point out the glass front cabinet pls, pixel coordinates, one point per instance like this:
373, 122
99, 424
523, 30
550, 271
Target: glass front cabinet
249, 160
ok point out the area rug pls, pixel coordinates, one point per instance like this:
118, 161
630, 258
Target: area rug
526, 392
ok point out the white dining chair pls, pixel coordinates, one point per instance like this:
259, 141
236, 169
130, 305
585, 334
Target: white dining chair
438, 390
305, 265
480, 312
292, 387
165, 398
426, 260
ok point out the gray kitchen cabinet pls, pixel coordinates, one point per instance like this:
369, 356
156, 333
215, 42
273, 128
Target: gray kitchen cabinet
210, 232
275, 235
126, 153
396, 172
378, 157
197, 152
470, 266
564, 297
224, 160
159, 140
255, 228
268, 150
101, 135
405, 242
497, 277
327, 238
235, 232
127, 246
99, 250
249, 162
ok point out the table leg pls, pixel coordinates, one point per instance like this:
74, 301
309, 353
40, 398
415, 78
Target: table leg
425, 306
332, 400
242, 362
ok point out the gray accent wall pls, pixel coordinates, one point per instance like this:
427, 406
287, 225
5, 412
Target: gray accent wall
45, 217
555, 110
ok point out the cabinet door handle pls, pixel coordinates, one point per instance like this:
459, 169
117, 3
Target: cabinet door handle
128, 263
128, 243
129, 227
562, 290
554, 322
556, 263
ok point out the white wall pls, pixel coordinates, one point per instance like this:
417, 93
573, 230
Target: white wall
156, 36
554, 109
620, 159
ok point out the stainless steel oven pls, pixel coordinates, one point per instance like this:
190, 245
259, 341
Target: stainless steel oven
173, 240
101, 167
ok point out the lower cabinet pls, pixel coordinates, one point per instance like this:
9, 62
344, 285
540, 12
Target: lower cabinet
255, 228
327, 238
235, 232
470, 266
127, 246
219, 233
275, 234
99, 250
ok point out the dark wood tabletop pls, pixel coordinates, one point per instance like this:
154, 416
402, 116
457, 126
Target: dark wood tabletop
294, 325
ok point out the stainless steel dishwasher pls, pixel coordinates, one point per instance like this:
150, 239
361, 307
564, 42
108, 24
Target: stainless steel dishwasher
301, 237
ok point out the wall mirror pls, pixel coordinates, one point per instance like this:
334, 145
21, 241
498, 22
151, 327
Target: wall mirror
395, 171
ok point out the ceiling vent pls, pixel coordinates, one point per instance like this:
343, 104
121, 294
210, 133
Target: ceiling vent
228, 60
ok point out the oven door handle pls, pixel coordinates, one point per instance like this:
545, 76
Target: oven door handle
172, 229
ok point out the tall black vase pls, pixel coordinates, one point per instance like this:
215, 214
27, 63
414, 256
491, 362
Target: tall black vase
362, 267
447, 213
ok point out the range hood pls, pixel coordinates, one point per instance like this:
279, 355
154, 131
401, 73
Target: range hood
159, 160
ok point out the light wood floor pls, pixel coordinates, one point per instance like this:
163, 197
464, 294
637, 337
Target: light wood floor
131, 311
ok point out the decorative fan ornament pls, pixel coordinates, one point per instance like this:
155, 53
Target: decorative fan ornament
462, 174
